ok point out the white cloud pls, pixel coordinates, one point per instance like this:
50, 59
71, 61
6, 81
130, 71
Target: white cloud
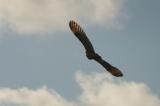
44, 15
97, 90
28, 97
101, 91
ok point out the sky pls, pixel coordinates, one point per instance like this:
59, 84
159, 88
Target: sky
43, 64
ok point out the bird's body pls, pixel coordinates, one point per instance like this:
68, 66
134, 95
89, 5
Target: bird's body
90, 52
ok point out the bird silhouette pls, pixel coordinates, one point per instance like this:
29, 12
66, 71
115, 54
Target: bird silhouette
90, 52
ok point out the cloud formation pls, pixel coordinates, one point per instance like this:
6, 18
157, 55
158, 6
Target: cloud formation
44, 15
97, 90
28, 97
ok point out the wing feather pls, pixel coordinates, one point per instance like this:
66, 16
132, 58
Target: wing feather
81, 35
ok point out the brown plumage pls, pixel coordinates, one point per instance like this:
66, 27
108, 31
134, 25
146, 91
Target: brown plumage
90, 52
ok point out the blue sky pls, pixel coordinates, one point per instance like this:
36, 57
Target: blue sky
51, 56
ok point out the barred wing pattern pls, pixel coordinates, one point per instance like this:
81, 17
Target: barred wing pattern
81, 35
90, 53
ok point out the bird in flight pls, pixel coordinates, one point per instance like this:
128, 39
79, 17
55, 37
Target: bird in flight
90, 52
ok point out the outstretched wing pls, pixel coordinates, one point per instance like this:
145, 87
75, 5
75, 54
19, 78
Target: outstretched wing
80, 34
113, 70
90, 53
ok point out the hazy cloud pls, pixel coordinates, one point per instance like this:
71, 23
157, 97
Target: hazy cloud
44, 15
28, 97
97, 90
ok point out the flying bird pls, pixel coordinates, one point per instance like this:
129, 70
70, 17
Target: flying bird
90, 52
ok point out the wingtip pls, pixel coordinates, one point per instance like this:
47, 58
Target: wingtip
116, 72
71, 23
75, 27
